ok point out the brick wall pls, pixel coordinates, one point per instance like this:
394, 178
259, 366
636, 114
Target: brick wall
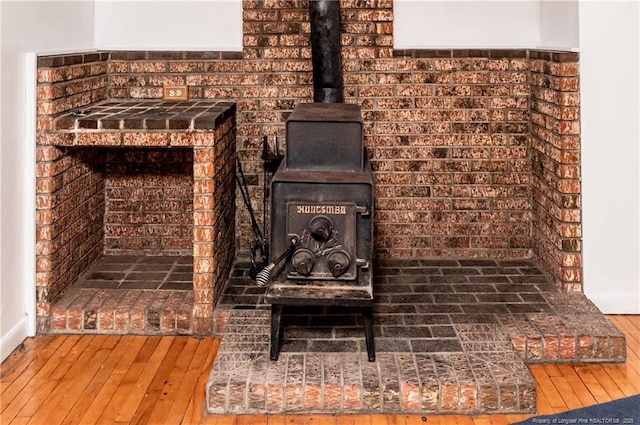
214, 223
449, 136
456, 137
149, 202
447, 131
69, 82
555, 158
69, 219
69, 192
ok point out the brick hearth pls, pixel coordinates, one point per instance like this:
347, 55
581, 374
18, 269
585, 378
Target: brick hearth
451, 336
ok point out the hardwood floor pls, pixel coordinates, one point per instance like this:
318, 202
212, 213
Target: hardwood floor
110, 379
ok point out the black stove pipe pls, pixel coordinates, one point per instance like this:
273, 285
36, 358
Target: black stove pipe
325, 51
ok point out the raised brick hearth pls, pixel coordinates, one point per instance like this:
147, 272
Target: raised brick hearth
451, 336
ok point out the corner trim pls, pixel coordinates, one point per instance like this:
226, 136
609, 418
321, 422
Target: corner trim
14, 337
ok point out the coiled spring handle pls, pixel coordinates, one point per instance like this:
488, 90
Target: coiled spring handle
264, 276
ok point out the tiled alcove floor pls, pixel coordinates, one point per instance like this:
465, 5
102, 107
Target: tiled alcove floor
129, 294
451, 336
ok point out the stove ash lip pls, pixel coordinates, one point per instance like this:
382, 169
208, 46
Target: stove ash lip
326, 52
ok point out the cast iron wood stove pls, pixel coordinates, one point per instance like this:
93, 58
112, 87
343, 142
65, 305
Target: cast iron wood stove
322, 217
321, 240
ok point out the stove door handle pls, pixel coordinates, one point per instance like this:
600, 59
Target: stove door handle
362, 210
362, 263
264, 276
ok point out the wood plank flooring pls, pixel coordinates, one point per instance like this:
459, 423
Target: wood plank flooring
111, 379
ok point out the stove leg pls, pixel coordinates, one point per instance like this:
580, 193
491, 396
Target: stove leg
367, 317
276, 315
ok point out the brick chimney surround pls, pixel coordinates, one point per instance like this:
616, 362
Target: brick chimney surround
476, 152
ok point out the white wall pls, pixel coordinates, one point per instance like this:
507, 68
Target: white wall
26, 26
543, 24
169, 25
466, 24
559, 25
609, 62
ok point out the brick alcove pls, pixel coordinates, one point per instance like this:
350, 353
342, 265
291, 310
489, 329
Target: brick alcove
135, 206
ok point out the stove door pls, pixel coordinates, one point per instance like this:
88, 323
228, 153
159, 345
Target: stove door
327, 240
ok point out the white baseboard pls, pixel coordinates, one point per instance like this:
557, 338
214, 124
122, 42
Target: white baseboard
14, 337
616, 303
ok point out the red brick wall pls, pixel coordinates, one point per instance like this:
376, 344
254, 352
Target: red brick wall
69, 219
69, 82
447, 131
555, 158
69, 192
149, 202
214, 222
448, 138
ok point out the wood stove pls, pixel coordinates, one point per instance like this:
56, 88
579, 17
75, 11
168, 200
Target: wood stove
321, 245
322, 217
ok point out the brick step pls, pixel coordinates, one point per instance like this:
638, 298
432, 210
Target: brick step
244, 380
123, 311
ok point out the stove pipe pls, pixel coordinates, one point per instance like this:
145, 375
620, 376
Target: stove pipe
325, 51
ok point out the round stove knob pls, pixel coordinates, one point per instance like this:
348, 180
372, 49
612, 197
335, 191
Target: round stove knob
338, 262
320, 228
303, 261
